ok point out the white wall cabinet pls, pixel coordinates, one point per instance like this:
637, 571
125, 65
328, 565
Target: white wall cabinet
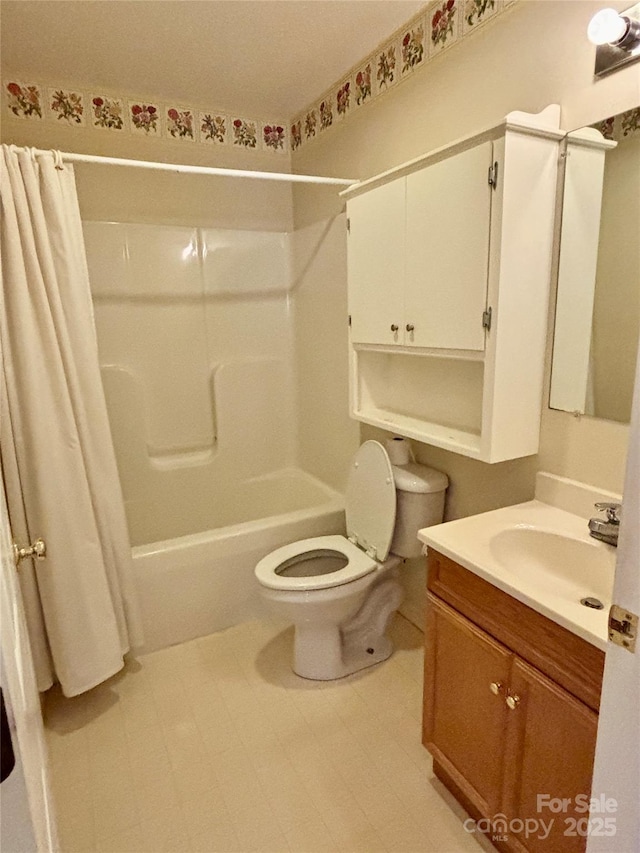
375, 264
447, 250
418, 256
449, 267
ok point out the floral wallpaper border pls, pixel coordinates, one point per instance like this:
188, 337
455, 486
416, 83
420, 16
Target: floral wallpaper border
81, 107
621, 126
436, 28
441, 24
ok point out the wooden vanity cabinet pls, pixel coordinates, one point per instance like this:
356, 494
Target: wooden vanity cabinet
465, 724
501, 730
549, 751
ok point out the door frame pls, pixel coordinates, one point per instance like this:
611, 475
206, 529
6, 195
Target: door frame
617, 764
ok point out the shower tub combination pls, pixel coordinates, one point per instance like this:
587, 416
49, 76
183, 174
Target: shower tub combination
196, 584
197, 356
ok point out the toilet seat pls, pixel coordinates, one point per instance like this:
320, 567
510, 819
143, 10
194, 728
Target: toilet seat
359, 564
370, 510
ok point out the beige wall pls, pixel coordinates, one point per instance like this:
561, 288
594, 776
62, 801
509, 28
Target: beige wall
134, 195
532, 55
326, 436
535, 54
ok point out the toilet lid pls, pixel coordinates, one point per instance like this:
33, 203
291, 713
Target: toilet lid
370, 504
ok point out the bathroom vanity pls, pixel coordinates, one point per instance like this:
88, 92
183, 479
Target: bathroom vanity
511, 694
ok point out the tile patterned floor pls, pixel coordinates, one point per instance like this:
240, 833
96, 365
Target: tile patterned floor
215, 745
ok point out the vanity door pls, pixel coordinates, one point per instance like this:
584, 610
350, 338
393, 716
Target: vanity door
465, 712
549, 754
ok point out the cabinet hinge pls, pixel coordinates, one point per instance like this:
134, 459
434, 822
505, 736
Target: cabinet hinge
623, 627
348, 225
493, 175
486, 319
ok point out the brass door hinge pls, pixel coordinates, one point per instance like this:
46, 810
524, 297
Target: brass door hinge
623, 627
38, 550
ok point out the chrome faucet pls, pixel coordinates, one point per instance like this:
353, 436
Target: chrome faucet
606, 529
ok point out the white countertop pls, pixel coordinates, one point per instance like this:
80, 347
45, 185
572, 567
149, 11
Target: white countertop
472, 542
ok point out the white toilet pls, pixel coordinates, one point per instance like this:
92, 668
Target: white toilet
341, 592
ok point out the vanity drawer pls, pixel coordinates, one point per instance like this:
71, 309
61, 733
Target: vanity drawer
567, 659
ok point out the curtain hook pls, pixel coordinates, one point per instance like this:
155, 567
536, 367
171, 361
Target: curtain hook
57, 157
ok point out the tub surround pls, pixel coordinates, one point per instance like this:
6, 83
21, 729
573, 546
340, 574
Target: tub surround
190, 586
195, 339
193, 327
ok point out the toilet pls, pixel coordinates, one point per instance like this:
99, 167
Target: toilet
340, 592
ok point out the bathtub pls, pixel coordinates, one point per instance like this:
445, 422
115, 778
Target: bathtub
198, 583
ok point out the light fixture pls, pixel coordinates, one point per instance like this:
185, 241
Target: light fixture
617, 38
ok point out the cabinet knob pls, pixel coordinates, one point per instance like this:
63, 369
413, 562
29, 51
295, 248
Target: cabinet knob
512, 701
495, 687
410, 327
394, 327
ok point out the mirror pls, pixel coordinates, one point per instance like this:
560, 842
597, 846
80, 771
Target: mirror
598, 301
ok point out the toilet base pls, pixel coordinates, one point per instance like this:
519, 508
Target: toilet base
332, 667
326, 651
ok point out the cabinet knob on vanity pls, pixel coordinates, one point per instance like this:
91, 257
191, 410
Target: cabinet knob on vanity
394, 327
495, 687
512, 701
410, 327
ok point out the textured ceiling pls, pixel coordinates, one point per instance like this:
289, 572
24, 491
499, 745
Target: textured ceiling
270, 57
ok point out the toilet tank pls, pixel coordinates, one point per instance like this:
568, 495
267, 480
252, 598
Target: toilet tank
420, 495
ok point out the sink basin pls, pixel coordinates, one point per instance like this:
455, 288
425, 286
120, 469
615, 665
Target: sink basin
539, 554
559, 565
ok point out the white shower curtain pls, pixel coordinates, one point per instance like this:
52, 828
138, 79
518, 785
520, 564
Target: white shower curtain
57, 456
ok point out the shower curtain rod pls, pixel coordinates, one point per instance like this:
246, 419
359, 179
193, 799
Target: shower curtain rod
70, 157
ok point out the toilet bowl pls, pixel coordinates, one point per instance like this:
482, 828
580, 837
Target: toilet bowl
321, 604
340, 592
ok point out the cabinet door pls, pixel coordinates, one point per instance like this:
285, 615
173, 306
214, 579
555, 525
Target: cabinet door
448, 218
549, 755
463, 719
375, 264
